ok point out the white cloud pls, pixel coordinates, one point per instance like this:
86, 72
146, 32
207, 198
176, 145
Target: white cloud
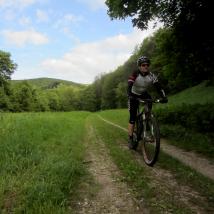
88, 60
16, 3
67, 20
94, 4
65, 24
42, 16
11, 9
25, 21
20, 38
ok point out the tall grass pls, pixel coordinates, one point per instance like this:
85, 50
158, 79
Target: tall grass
40, 161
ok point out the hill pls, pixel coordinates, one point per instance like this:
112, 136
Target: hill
202, 93
47, 83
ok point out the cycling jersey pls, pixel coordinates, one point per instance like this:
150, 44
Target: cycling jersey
139, 83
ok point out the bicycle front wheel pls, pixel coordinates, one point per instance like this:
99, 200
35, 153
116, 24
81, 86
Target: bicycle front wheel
150, 145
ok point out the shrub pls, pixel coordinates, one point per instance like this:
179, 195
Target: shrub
197, 117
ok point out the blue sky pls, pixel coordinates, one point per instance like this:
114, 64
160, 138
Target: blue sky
68, 39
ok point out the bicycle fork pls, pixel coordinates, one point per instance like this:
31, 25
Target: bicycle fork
148, 128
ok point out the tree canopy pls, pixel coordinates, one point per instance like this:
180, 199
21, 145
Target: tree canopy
7, 67
189, 21
169, 12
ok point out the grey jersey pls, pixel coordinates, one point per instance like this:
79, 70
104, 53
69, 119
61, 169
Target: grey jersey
143, 83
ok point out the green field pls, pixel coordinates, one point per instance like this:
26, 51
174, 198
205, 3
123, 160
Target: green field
41, 161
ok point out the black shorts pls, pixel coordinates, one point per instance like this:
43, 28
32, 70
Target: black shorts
133, 104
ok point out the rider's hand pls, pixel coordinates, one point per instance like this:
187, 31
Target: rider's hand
164, 100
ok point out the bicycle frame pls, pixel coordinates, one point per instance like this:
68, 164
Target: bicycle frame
141, 114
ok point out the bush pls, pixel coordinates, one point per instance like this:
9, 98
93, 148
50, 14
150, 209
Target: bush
197, 117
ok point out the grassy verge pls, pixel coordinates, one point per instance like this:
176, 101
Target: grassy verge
189, 140
118, 116
201, 93
41, 161
137, 175
189, 177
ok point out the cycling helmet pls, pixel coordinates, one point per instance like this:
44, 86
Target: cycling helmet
143, 59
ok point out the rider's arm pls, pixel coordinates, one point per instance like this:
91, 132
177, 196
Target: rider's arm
158, 86
159, 89
161, 92
131, 81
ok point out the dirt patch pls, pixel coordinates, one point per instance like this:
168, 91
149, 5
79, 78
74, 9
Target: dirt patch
9, 201
112, 195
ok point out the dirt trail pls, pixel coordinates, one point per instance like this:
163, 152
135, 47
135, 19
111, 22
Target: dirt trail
112, 195
191, 159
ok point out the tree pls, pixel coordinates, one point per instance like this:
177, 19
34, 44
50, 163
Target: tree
169, 12
7, 67
98, 85
88, 98
67, 97
41, 101
190, 24
121, 95
24, 97
143, 11
53, 100
5, 104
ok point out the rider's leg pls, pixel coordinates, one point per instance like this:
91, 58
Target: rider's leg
132, 105
130, 129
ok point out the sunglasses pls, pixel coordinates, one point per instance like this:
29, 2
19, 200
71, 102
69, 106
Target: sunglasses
144, 65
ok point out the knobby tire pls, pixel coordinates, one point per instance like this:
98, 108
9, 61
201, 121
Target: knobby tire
150, 157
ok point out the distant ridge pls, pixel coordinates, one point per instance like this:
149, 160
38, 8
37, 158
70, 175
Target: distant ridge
45, 82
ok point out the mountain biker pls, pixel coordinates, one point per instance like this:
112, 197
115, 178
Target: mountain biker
138, 84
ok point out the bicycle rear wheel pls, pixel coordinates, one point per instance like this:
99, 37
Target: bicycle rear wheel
150, 145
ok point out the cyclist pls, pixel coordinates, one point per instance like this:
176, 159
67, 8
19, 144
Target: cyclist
138, 84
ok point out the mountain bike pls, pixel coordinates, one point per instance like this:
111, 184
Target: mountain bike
146, 135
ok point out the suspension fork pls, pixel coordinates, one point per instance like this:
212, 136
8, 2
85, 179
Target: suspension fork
139, 124
146, 118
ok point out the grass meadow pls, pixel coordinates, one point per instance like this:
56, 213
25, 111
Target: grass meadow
40, 161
